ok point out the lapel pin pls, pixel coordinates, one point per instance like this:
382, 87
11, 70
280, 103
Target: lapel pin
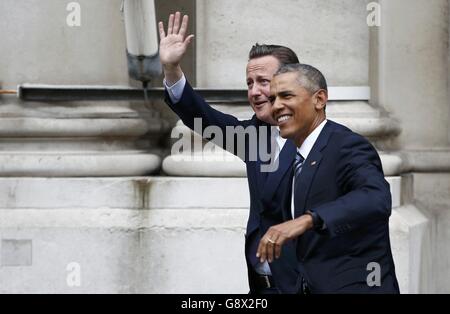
314, 163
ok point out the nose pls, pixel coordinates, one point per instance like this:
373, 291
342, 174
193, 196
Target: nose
276, 106
255, 90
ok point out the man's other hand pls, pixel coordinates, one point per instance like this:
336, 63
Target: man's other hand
271, 243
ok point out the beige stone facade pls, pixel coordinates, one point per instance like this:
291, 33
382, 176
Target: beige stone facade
90, 188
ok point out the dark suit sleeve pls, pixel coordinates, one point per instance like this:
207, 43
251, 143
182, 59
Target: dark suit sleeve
192, 106
366, 195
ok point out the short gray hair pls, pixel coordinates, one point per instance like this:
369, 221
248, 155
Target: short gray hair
308, 76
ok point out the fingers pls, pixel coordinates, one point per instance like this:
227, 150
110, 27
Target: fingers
170, 24
271, 246
266, 249
278, 245
261, 253
188, 40
162, 33
184, 25
176, 24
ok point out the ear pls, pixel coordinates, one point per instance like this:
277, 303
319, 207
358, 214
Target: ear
320, 99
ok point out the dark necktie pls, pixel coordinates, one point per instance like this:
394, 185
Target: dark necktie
298, 164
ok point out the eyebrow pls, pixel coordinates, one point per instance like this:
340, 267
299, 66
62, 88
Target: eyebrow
265, 77
284, 93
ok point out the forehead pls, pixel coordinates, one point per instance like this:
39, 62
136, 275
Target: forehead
284, 81
266, 65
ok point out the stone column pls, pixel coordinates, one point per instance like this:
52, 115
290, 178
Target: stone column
410, 70
413, 70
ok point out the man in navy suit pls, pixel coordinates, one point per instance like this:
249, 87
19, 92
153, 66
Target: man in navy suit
280, 276
337, 203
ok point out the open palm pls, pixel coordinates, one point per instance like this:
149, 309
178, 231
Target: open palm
173, 46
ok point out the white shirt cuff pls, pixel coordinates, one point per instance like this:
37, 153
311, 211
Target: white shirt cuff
176, 90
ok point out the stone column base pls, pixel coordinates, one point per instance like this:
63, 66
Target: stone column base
78, 164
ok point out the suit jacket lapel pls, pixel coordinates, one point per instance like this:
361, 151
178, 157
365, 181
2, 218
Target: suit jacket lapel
309, 169
305, 178
285, 160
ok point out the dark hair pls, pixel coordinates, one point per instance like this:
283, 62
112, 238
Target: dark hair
283, 54
308, 76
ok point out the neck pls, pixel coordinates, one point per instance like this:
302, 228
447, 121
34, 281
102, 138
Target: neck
302, 137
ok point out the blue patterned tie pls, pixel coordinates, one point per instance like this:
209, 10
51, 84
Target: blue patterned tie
298, 164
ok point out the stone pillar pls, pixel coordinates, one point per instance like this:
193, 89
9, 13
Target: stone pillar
71, 138
413, 70
410, 72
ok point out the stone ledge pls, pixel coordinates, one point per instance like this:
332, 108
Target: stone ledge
221, 163
426, 160
134, 193
81, 127
120, 219
78, 164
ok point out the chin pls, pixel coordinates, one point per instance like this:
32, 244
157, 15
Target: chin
285, 134
266, 118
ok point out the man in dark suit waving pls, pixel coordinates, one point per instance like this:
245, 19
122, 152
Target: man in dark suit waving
337, 203
280, 276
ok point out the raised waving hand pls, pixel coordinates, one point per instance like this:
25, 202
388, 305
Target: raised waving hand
173, 45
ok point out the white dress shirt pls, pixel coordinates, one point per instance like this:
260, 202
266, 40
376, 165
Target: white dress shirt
176, 90
304, 150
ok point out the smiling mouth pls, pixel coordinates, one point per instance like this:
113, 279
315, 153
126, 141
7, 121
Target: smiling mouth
283, 118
